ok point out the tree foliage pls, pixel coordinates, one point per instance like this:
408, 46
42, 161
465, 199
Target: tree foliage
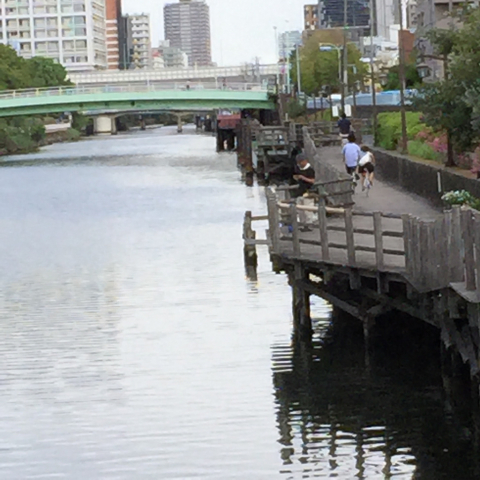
453, 104
37, 72
319, 69
412, 78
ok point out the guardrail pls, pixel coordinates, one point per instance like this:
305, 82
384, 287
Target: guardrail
130, 88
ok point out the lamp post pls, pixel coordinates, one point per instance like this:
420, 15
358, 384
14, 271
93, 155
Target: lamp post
329, 47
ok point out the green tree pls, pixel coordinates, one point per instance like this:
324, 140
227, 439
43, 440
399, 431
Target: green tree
320, 68
450, 105
13, 70
44, 72
412, 78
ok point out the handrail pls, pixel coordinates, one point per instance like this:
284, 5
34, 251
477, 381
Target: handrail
436, 253
130, 88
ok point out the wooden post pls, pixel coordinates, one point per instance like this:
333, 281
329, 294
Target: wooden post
457, 271
424, 254
300, 302
407, 243
273, 221
322, 224
378, 232
349, 236
468, 242
476, 228
249, 249
295, 230
416, 260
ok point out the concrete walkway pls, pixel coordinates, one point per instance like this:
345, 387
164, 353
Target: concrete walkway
383, 196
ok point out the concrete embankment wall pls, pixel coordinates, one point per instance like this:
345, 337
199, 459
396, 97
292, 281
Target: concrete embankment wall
427, 180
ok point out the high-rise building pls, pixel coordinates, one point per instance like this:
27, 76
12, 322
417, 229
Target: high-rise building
142, 49
113, 19
310, 13
331, 14
187, 27
72, 32
125, 43
388, 15
173, 57
287, 41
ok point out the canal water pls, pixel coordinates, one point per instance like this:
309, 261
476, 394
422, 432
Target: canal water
133, 347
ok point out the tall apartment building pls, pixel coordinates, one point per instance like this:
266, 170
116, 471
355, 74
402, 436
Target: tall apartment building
331, 14
387, 15
187, 27
142, 49
72, 32
125, 43
310, 13
173, 57
113, 27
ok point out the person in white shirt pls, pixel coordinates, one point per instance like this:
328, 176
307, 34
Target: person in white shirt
351, 154
366, 166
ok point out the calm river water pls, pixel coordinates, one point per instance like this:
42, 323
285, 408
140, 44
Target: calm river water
132, 346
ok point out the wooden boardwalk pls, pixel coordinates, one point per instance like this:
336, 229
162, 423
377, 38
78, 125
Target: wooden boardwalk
367, 260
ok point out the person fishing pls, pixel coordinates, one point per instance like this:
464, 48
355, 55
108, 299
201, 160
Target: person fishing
305, 176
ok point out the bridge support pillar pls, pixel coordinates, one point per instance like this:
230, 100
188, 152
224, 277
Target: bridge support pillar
179, 124
105, 125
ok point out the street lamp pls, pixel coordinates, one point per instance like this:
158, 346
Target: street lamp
330, 47
423, 70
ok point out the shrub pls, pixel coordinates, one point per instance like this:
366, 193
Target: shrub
389, 131
461, 197
295, 109
422, 150
73, 135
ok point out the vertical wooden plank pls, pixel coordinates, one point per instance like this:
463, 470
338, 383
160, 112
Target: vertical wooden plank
433, 254
468, 243
349, 236
295, 230
476, 229
415, 250
273, 221
456, 248
378, 233
407, 243
322, 225
424, 274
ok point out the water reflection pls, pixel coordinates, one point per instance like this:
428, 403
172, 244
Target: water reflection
336, 418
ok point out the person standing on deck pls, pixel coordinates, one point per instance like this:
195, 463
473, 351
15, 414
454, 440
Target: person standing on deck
351, 154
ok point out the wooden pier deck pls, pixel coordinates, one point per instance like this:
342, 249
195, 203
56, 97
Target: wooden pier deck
389, 251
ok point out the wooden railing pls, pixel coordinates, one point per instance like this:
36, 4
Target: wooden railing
335, 185
429, 254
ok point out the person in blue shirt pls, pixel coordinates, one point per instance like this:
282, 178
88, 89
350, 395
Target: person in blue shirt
351, 154
344, 125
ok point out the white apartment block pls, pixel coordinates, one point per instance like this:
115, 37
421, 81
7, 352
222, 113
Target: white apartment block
142, 50
72, 32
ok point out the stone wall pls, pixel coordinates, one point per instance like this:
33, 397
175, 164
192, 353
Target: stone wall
429, 181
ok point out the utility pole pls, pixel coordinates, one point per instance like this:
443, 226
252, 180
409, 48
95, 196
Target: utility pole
299, 73
372, 71
401, 51
345, 56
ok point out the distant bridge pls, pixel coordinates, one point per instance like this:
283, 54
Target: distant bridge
108, 101
236, 74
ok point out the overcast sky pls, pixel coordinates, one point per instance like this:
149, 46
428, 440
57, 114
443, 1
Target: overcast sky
241, 29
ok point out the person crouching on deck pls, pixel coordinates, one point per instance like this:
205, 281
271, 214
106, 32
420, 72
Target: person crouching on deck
305, 175
366, 166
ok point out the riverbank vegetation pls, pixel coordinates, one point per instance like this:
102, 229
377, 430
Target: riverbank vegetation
25, 134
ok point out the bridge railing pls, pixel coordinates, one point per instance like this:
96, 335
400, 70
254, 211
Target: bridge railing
130, 88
